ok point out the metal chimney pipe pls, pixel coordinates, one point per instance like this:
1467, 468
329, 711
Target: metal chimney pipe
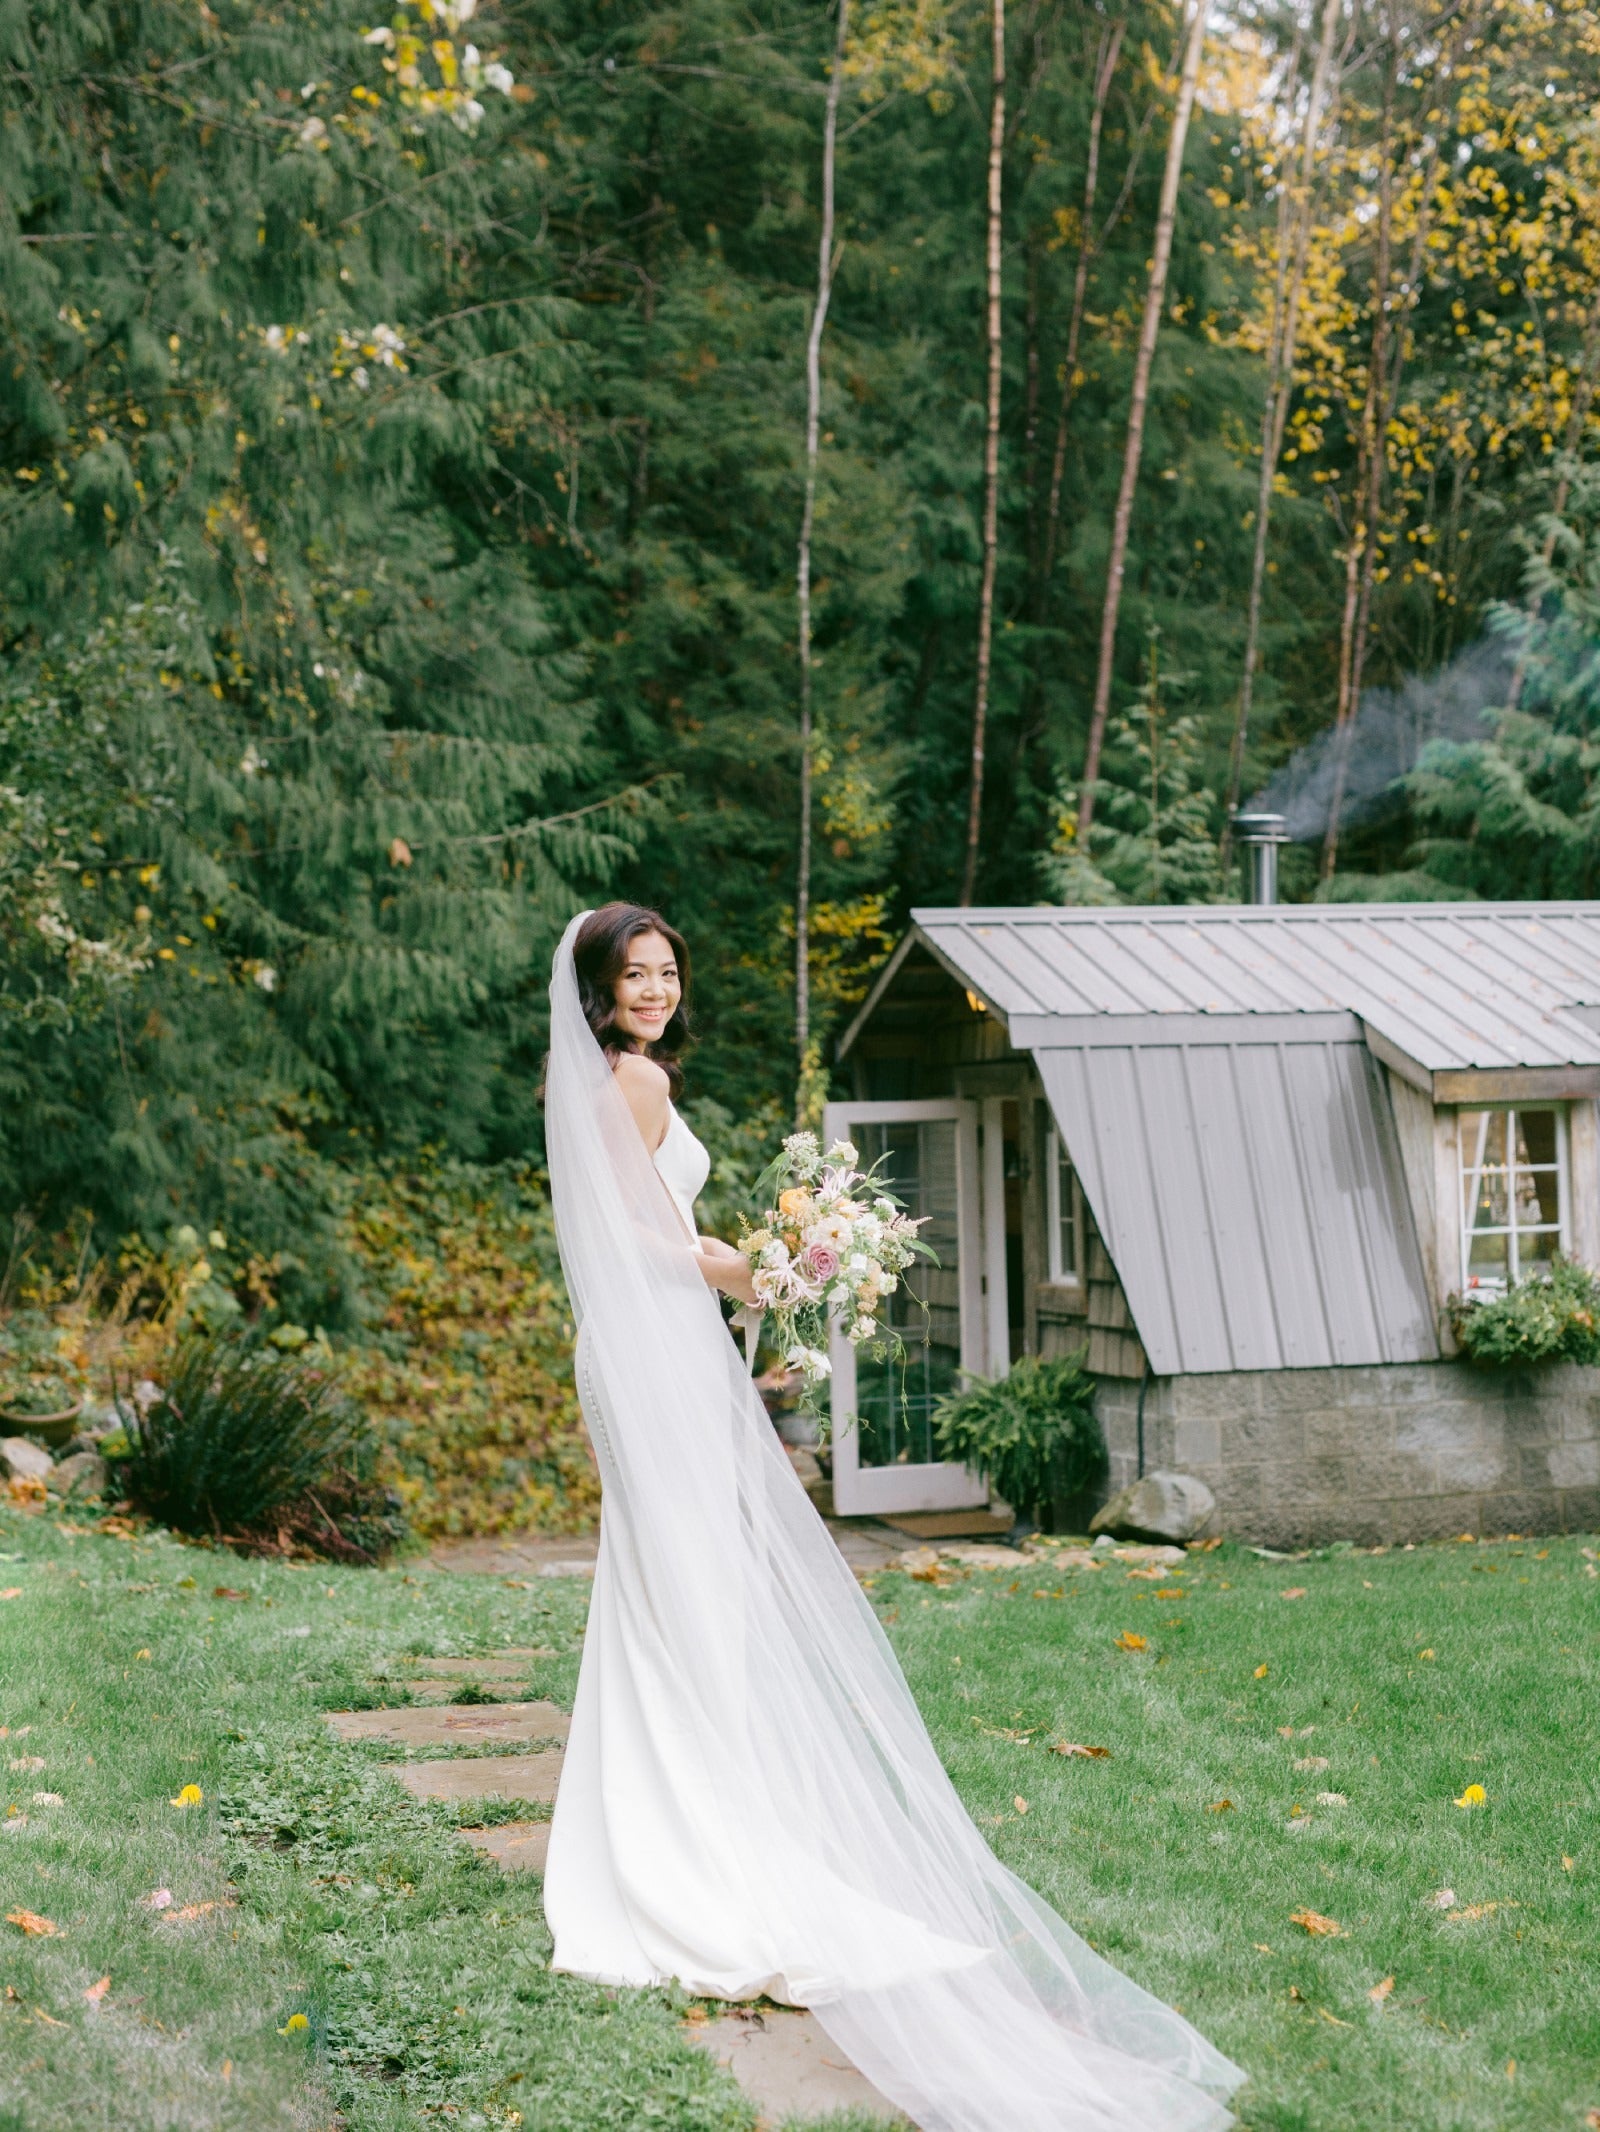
1258, 836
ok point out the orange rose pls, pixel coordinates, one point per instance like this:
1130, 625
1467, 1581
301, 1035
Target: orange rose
795, 1202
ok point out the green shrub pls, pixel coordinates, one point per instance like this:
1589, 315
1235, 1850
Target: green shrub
1033, 1432
1552, 1317
239, 1439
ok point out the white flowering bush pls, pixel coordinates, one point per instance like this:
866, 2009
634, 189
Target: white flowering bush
832, 1239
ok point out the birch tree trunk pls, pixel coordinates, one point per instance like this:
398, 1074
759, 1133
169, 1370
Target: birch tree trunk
1154, 302
819, 317
1294, 242
991, 447
1362, 557
1104, 73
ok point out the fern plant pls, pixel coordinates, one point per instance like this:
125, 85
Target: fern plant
239, 1435
1034, 1432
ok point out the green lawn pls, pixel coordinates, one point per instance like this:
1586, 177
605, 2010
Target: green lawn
419, 1970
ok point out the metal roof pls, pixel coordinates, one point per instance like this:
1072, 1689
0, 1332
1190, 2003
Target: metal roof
1214, 1074
1448, 986
1252, 1199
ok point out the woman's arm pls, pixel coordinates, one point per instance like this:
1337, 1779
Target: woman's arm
723, 1267
647, 1092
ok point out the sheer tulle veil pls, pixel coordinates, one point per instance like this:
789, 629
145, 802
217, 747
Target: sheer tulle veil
788, 1778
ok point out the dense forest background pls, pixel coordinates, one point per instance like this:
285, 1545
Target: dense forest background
403, 467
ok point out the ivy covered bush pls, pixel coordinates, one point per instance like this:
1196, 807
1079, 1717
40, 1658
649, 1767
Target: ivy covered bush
1034, 1432
1545, 1318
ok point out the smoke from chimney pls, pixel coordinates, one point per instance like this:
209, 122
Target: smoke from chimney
1389, 732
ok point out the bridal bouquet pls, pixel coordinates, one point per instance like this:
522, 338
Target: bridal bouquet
831, 1238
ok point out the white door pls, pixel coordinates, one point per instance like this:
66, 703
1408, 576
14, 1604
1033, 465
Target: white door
883, 1452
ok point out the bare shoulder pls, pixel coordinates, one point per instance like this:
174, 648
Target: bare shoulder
638, 1075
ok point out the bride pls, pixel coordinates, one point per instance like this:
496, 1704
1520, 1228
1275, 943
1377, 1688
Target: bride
750, 1803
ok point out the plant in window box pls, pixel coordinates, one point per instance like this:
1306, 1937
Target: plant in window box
1034, 1432
1548, 1317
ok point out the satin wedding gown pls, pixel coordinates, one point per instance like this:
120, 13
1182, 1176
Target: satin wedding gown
750, 1802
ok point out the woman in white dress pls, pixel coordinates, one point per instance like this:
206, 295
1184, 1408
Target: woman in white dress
750, 1802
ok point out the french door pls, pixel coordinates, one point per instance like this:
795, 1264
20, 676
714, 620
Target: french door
884, 1459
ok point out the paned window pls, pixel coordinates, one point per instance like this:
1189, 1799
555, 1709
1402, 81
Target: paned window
1063, 1215
1513, 1194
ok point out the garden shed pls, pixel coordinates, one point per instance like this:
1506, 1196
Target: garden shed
1246, 1155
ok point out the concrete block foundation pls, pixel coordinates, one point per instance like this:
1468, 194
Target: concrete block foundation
1376, 1454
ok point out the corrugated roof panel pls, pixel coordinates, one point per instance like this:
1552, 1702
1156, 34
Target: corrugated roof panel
1251, 1198
1454, 986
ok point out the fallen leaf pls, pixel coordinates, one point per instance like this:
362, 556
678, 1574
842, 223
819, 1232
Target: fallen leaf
1444, 1899
97, 1992
226, 1591
191, 1795
1172, 1591
13, 1591
1428, 1654
1148, 1574
1591, 2121
1311, 1761
1286, 1732
1316, 1924
1332, 1798
1567, 1864
1261, 1947
33, 1924
1128, 1641
161, 1898
1474, 1795
1332, 2019
1221, 1806
696, 2014
142, 1654
1090, 1754
1261, 1672
1380, 1992
1473, 1911
399, 852
27, 1761
1295, 1591
49, 2020
48, 1798
1020, 1804
191, 1911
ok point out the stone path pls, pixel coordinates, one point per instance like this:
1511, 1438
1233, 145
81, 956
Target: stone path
779, 2055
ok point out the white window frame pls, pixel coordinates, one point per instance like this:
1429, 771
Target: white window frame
866, 1491
1465, 1232
1054, 1150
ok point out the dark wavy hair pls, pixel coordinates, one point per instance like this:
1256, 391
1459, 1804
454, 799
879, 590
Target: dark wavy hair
600, 955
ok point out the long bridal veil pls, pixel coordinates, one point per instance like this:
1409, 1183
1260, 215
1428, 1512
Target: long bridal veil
770, 1727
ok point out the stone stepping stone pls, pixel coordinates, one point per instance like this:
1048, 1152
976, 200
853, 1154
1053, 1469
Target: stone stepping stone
510, 1664
788, 2067
458, 1725
515, 1846
533, 1777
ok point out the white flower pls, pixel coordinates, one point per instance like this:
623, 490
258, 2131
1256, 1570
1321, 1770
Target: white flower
838, 1293
359, 377
250, 763
384, 37
499, 77
775, 1254
832, 1230
388, 346
845, 1153
857, 1262
470, 55
313, 134
862, 1329
265, 976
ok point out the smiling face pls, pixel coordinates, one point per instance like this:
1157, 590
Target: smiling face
647, 989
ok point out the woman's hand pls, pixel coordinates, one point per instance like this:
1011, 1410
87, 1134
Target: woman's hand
723, 1267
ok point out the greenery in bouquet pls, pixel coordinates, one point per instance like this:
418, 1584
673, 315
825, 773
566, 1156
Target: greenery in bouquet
831, 1238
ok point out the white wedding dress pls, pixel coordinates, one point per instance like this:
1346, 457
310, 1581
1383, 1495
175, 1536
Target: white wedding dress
750, 1802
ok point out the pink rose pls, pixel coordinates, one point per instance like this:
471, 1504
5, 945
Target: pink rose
823, 1261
